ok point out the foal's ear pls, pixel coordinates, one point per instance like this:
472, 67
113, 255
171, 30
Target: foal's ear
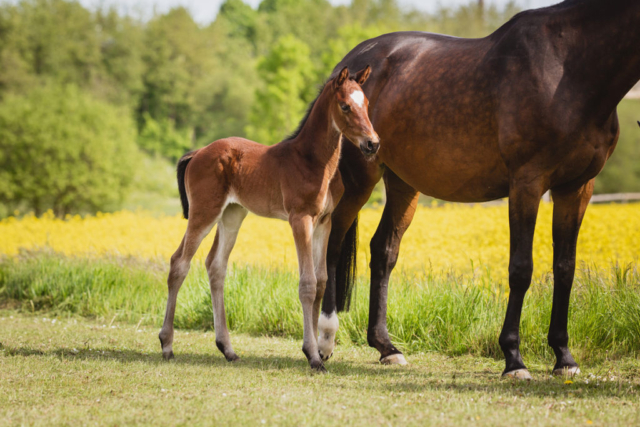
363, 75
342, 77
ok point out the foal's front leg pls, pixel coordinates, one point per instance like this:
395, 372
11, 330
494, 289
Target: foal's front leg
302, 226
324, 325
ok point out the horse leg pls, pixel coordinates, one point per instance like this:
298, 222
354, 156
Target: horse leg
359, 178
302, 226
524, 202
398, 213
569, 208
216, 264
326, 326
200, 224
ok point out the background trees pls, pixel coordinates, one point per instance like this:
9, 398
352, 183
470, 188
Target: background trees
167, 85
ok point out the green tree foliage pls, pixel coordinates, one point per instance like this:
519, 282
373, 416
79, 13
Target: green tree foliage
251, 72
289, 78
61, 149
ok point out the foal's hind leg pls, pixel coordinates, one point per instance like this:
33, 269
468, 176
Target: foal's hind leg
327, 326
569, 208
216, 263
199, 226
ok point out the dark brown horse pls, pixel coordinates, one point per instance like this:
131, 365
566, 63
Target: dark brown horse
530, 108
296, 180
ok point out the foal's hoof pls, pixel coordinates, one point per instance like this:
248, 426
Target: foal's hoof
168, 355
318, 367
518, 374
325, 358
394, 359
567, 371
231, 357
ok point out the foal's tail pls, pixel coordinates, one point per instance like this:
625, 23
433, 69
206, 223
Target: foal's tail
182, 169
346, 269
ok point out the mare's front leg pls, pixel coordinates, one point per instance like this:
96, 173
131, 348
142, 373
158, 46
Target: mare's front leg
524, 201
325, 325
302, 226
399, 209
569, 208
217, 260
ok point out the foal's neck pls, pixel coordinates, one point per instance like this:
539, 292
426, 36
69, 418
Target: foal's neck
319, 139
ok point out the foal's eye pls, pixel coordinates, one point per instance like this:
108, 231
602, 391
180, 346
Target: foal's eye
345, 108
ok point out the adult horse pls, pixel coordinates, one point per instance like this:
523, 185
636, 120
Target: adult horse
530, 108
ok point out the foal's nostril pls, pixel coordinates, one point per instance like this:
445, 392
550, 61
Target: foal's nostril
370, 146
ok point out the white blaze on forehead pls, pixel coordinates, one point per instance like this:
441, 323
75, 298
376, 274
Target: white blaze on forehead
358, 97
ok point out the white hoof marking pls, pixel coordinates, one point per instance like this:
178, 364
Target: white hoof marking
519, 374
567, 372
327, 328
394, 359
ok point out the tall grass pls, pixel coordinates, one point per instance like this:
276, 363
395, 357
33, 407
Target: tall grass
428, 311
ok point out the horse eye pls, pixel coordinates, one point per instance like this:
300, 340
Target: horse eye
345, 107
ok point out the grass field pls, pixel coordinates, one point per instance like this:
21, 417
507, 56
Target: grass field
84, 299
70, 371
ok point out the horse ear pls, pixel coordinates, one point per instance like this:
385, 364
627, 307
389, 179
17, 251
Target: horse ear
363, 75
342, 77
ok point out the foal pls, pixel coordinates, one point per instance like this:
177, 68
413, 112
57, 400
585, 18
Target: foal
296, 180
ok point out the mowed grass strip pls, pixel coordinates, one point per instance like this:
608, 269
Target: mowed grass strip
70, 371
448, 313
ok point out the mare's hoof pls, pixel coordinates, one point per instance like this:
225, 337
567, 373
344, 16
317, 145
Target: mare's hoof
567, 371
518, 374
168, 355
394, 359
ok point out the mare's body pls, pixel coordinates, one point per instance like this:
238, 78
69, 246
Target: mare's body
528, 109
296, 180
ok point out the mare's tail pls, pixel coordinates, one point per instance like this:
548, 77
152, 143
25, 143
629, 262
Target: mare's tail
346, 269
182, 169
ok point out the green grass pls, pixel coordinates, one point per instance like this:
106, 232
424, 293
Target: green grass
70, 371
445, 313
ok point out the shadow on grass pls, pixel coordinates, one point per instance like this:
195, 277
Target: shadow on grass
366, 377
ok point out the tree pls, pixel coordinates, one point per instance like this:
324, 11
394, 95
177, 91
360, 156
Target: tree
288, 75
61, 149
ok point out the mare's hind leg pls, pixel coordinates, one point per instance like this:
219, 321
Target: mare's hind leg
399, 209
326, 326
569, 208
216, 263
302, 226
199, 226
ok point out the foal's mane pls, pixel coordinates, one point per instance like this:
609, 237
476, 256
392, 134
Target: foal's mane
296, 133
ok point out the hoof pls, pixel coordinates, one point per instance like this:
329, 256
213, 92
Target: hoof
318, 367
568, 371
168, 355
518, 374
232, 357
394, 359
325, 358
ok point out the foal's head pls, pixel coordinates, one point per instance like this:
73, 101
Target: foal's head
350, 110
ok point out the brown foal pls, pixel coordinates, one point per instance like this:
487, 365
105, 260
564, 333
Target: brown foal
296, 180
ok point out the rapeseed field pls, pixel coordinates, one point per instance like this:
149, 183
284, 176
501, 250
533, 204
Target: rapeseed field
451, 238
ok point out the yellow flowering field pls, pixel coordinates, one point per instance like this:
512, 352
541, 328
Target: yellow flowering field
453, 237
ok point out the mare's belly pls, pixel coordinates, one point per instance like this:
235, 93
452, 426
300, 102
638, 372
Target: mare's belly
462, 173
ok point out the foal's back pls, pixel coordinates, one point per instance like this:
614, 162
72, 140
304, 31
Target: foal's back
237, 170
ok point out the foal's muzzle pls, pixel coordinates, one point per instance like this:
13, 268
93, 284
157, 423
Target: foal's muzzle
370, 146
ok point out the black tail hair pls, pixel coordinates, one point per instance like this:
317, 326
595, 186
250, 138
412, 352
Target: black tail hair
182, 169
346, 269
